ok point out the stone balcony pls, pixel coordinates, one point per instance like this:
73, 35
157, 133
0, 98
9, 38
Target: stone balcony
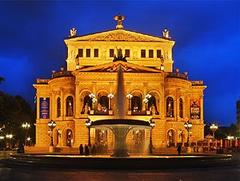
62, 73
177, 74
42, 81
197, 83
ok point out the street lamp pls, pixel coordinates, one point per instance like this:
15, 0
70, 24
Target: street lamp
110, 96
51, 125
129, 97
29, 140
88, 123
152, 125
188, 126
9, 136
25, 126
213, 128
146, 100
1, 142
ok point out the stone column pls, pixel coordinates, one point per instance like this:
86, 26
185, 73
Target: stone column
144, 107
187, 107
53, 103
38, 107
162, 102
201, 107
77, 102
62, 104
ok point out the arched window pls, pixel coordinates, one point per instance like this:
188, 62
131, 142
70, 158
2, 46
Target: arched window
170, 107
87, 104
58, 107
152, 105
180, 108
136, 105
103, 104
69, 106
170, 138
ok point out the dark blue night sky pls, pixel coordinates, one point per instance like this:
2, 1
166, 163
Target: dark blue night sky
207, 35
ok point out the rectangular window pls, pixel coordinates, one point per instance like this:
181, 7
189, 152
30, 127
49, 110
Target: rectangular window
111, 53
88, 52
159, 54
150, 53
95, 52
80, 52
143, 53
127, 53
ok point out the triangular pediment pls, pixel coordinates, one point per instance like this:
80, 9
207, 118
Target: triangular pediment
119, 35
113, 67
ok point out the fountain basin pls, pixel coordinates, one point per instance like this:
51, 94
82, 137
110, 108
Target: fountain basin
124, 163
120, 129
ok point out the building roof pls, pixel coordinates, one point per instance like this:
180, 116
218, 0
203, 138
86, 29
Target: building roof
119, 35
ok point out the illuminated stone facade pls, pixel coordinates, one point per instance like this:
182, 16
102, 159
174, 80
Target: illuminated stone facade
85, 91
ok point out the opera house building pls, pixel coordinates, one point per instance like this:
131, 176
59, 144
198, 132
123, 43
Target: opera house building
85, 91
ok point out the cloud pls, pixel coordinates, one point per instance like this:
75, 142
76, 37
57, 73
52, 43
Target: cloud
206, 34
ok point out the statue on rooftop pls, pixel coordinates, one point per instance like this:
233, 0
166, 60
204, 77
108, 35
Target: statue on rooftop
73, 32
119, 20
166, 33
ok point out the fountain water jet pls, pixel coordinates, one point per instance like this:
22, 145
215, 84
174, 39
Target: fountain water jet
120, 126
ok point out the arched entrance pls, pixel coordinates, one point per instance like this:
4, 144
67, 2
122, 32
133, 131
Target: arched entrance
136, 104
152, 105
103, 104
87, 104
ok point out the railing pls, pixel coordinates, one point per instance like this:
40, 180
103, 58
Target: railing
42, 81
197, 83
178, 75
111, 112
63, 73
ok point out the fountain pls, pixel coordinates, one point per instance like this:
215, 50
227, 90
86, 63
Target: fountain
120, 126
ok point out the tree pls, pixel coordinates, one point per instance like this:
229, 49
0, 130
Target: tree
14, 111
1, 79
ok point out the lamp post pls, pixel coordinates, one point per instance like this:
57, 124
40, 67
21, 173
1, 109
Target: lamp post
213, 128
152, 124
51, 125
25, 126
129, 97
29, 140
188, 126
88, 124
2, 142
9, 136
110, 96
94, 100
146, 100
